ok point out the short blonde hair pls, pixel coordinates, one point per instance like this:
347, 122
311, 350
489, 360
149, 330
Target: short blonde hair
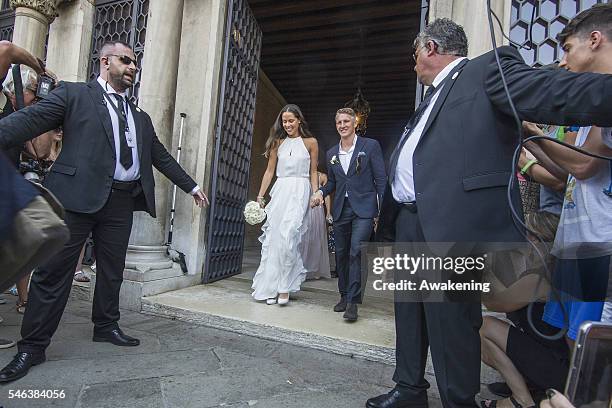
29, 80
346, 111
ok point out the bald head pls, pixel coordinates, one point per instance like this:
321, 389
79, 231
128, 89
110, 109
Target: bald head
118, 65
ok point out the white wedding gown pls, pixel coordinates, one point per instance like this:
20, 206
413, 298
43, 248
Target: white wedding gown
282, 269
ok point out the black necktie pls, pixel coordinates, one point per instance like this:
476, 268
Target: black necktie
125, 152
414, 119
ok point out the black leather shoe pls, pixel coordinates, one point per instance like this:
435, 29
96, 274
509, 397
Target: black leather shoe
394, 399
116, 337
351, 312
19, 366
341, 305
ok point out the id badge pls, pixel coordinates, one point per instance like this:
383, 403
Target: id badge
131, 139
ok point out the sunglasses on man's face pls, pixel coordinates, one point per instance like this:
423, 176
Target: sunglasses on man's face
124, 59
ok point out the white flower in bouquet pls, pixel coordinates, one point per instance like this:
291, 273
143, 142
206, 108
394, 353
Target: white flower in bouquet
253, 213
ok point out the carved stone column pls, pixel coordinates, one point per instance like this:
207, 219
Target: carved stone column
149, 271
156, 97
32, 19
69, 44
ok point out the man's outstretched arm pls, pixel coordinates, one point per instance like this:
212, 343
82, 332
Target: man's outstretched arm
34, 120
12, 54
556, 97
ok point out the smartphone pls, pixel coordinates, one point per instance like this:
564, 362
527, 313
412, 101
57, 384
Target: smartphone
589, 382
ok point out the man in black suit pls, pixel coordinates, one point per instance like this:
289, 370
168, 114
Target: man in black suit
103, 173
448, 178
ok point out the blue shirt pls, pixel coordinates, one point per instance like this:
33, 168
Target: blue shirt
15, 194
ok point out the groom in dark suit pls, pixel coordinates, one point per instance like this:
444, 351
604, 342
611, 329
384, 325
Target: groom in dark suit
103, 173
357, 174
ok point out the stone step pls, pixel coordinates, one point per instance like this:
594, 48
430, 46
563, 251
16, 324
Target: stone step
307, 321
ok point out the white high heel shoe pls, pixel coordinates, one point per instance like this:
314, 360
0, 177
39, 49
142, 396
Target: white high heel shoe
270, 301
283, 301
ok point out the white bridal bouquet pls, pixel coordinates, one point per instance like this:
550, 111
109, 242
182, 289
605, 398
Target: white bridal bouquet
253, 213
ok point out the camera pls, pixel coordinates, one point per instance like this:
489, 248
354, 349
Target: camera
34, 170
45, 85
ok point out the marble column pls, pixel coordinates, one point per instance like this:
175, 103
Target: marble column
148, 268
69, 46
156, 97
32, 19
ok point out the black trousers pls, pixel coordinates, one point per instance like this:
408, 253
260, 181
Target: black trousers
51, 283
450, 329
350, 232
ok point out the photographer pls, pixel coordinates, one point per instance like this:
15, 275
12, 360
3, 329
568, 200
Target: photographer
15, 193
41, 149
12, 54
34, 158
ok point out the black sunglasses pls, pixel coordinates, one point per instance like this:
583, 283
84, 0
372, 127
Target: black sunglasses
124, 59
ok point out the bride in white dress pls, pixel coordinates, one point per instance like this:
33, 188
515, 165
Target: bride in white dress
292, 151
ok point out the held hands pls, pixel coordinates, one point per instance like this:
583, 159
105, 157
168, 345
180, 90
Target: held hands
316, 199
200, 199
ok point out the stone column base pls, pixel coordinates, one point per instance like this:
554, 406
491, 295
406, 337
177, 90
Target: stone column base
148, 271
137, 284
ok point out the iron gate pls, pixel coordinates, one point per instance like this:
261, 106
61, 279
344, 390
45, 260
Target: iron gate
234, 132
119, 20
549, 18
7, 21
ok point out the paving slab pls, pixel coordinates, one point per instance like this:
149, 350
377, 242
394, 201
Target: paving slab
183, 365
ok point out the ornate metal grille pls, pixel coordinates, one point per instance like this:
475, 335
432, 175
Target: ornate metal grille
122, 20
234, 133
549, 18
7, 21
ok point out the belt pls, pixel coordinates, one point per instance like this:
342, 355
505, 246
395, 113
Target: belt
125, 185
410, 206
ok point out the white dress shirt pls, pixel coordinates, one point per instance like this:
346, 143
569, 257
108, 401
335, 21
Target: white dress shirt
346, 156
133, 173
403, 185
121, 174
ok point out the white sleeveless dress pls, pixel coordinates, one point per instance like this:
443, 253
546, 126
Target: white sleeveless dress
282, 269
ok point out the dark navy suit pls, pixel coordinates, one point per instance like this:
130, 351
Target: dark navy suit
358, 194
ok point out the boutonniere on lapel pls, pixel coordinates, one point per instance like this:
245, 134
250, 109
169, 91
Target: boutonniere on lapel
334, 160
360, 155
138, 109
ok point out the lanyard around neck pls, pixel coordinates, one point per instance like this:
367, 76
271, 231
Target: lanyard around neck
122, 114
